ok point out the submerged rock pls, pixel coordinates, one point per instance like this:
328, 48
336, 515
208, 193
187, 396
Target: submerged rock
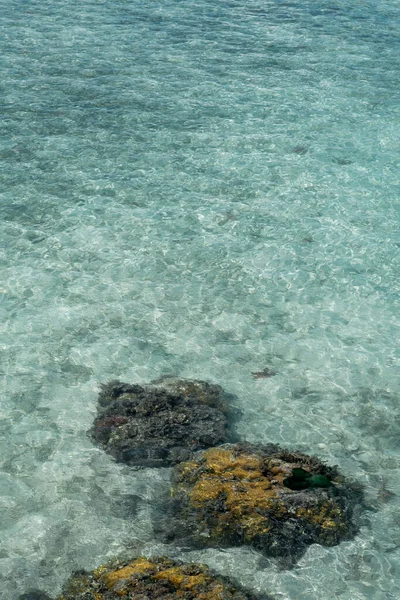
152, 579
162, 423
34, 595
270, 498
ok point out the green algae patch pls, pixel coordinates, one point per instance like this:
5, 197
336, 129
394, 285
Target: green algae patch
152, 579
270, 498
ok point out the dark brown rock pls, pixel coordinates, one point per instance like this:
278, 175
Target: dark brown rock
162, 423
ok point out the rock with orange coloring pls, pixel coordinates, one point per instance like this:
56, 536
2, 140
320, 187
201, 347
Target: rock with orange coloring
273, 499
153, 579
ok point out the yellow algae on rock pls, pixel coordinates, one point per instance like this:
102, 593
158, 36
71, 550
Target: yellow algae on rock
274, 499
179, 579
153, 579
140, 565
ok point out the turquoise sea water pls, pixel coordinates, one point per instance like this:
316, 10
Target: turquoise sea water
205, 189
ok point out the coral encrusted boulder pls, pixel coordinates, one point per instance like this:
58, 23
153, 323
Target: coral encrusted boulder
162, 423
270, 498
152, 579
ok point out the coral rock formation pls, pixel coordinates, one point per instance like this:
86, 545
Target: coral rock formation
272, 499
161, 423
152, 579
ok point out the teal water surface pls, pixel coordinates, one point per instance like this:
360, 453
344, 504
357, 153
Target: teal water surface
205, 189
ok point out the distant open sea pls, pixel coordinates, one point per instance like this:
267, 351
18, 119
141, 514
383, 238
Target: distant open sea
201, 188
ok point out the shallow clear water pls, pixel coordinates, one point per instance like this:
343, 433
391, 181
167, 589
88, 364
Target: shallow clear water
206, 189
